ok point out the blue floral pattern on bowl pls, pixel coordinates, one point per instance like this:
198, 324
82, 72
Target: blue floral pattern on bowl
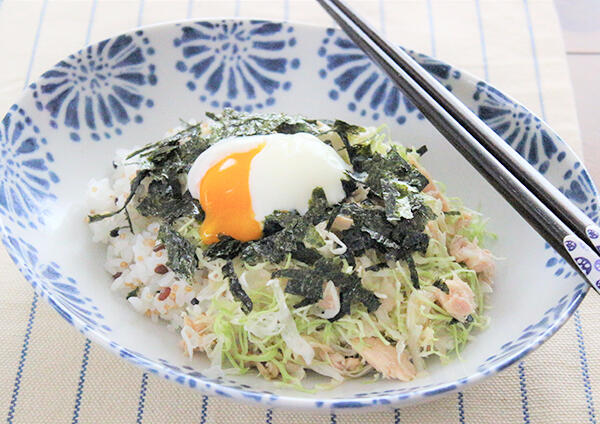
520, 128
359, 82
96, 92
103, 89
25, 167
231, 60
61, 291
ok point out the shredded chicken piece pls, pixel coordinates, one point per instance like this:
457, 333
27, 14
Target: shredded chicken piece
341, 223
386, 292
293, 368
459, 301
435, 233
199, 324
327, 354
330, 303
352, 364
478, 259
342, 363
268, 370
431, 188
359, 194
463, 221
385, 359
321, 349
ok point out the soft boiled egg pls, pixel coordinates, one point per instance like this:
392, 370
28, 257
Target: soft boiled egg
241, 180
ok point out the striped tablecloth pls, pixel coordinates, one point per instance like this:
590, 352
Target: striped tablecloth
51, 374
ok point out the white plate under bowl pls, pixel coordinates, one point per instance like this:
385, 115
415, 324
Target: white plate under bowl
131, 88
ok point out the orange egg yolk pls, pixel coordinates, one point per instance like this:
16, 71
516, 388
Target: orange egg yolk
225, 199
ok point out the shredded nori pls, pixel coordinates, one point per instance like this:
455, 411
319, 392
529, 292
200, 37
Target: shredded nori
182, 254
353, 291
421, 150
469, 319
414, 275
236, 288
397, 200
226, 248
395, 239
379, 221
318, 207
332, 216
343, 129
231, 124
308, 255
284, 232
166, 200
129, 223
349, 186
376, 267
441, 285
115, 231
308, 283
380, 167
135, 183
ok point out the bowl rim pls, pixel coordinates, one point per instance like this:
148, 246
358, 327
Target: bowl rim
287, 400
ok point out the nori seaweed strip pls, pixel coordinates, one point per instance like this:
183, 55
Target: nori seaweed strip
396, 200
135, 183
308, 282
414, 275
368, 299
304, 302
182, 255
296, 127
421, 150
312, 291
349, 186
441, 285
349, 257
312, 238
115, 231
132, 293
226, 248
236, 288
165, 199
343, 129
307, 255
284, 231
318, 207
469, 319
233, 123
129, 224
382, 240
332, 216
376, 267
356, 241
352, 291
415, 242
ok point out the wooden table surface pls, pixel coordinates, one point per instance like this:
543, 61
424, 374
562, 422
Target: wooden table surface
580, 21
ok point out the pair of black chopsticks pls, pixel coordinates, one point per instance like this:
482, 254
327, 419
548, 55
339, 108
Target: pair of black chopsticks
568, 230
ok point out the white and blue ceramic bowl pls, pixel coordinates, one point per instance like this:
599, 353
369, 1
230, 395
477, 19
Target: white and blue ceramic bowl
131, 88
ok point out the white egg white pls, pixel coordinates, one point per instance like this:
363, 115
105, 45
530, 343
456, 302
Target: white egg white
283, 174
